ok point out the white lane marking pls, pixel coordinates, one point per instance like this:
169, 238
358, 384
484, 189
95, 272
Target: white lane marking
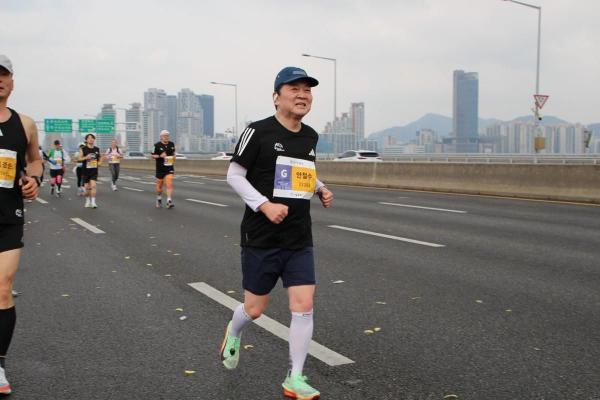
146, 183
315, 349
421, 207
197, 183
66, 186
208, 202
383, 235
134, 189
216, 180
40, 200
87, 226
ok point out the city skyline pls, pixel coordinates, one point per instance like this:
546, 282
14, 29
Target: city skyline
393, 56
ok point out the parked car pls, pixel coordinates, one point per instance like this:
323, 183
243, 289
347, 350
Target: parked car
223, 155
359, 155
135, 155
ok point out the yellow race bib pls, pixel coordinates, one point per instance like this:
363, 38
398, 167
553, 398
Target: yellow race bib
169, 161
8, 168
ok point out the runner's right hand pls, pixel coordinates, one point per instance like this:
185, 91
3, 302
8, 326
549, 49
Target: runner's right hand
275, 212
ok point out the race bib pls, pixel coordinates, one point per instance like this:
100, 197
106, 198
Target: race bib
115, 160
59, 161
294, 178
92, 164
8, 168
168, 161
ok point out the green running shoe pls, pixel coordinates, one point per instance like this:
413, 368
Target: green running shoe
295, 387
230, 349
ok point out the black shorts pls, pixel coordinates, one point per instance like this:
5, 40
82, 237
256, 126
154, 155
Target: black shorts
162, 174
261, 268
11, 237
89, 175
56, 172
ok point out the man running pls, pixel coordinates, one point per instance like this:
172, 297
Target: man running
89, 155
18, 148
164, 154
78, 172
273, 171
57, 158
114, 156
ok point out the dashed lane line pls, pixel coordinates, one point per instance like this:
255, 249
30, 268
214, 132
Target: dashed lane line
383, 235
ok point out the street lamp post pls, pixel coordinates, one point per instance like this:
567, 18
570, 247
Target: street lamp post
235, 129
536, 110
334, 82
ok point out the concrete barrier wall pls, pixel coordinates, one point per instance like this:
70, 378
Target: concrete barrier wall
549, 182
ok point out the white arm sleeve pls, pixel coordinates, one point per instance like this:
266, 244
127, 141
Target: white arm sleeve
319, 186
236, 177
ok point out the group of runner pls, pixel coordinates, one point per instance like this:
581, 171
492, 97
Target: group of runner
88, 160
272, 170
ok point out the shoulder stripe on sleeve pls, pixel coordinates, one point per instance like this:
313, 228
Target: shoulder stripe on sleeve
245, 139
241, 141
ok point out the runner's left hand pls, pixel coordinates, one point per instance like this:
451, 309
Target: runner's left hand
326, 197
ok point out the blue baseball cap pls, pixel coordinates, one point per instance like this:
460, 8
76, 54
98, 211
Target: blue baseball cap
292, 74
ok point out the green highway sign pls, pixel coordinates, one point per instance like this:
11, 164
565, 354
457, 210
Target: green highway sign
87, 125
105, 125
58, 125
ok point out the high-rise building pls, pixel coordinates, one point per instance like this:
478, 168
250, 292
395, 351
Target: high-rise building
133, 128
171, 116
207, 103
155, 116
189, 120
357, 115
103, 140
465, 111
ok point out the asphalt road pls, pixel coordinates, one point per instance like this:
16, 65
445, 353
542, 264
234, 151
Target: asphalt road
478, 297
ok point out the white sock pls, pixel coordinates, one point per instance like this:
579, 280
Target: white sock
239, 321
158, 197
301, 330
169, 199
93, 199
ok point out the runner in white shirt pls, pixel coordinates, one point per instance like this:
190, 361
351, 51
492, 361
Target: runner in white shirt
114, 156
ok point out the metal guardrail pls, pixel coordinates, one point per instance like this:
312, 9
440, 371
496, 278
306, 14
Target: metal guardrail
577, 159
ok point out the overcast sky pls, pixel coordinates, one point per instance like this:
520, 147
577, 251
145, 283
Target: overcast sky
396, 56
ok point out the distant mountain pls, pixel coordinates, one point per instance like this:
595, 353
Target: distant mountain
443, 126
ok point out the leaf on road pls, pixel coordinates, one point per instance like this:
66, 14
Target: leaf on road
58, 254
179, 309
149, 265
479, 301
183, 318
127, 257
450, 397
508, 310
415, 298
537, 349
66, 295
369, 332
231, 291
176, 254
248, 347
376, 329
167, 275
148, 295
381, 302
336, 282
189, 372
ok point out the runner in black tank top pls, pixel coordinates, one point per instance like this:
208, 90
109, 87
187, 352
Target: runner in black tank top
18, 153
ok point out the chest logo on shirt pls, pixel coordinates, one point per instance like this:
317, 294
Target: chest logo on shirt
312, 152
1, 134
278, 147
